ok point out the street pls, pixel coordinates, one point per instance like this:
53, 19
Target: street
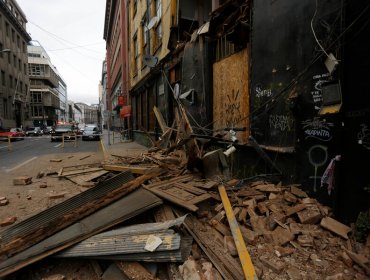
30, 149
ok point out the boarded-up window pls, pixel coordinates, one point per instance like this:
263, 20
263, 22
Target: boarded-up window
230, 94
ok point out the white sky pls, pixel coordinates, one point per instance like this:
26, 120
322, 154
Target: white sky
71, 32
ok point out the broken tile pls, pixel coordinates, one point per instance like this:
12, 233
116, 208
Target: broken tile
311, 215
22, 180
8, 221
281, 236
335, 227
274, 264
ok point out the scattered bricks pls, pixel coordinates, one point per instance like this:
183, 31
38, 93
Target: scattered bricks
40, 175
305, 240
56, 160
250, 237
311, 215
295, 209
274, 264
258, 224
335, 227
54, 277
229, 245
273, 218
281, 236
23, 180
243, 215
236, 211
57, 195
220, 216
224, 230
262, 208
8, 221
4, 201
346, 259
274, 207
232, 182
251, 203
219, 207
313, 230
283, 251
196, 252
294, 273
309, 201
272, 196
290, 197
251, 212
298, 192
271, 188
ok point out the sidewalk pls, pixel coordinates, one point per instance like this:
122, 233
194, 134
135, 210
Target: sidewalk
115, 146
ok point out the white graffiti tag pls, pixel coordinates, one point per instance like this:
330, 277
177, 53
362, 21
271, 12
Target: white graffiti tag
281, 122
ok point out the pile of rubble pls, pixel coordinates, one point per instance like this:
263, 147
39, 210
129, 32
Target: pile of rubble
155, 216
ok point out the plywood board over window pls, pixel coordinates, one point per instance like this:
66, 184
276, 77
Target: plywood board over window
231, 94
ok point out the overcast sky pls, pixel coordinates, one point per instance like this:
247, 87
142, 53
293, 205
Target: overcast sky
71, 31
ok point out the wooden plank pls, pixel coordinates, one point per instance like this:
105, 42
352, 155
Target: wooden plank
230, 94
244, 257
174, 195
160, 119
85, 180
132, 168
134, 271
212, 244
82, 171
190, 188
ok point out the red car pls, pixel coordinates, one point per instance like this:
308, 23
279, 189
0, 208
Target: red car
13, 133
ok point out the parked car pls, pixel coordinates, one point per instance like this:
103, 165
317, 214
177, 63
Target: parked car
48, 129
91, 132
33, 131
60, 129
13, 133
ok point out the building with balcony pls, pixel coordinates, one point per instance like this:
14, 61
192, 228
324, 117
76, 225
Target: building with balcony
14, 81
46, 86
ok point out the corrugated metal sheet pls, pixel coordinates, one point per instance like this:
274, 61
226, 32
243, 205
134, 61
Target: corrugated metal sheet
165, 256
123, 209
121, 244
51, 215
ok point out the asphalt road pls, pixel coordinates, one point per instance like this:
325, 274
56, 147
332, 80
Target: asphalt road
29, 149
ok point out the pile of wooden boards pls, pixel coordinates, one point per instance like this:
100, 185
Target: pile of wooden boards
188, 226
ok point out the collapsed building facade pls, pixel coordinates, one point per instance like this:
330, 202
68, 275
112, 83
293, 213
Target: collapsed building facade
281, 82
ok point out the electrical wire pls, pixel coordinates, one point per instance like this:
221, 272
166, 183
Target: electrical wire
313, 31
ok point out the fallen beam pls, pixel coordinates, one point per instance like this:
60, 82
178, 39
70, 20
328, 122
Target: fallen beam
107, 217
38, 227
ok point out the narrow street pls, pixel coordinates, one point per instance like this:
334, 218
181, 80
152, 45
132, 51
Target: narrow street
27, 151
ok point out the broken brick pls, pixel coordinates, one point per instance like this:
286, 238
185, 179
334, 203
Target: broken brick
295, 209
274, 264
298, 192
8, 221
305, 240
290, 197
335, 227
283, 251
23, 180
281, 236
311, 215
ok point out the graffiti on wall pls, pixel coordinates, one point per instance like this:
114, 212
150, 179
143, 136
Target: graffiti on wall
318, 129
363, 136
233, 109
281, 122
316, 93
317, 156
261, 92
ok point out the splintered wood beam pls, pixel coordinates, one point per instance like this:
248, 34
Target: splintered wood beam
132, 169
245, 259
160, 119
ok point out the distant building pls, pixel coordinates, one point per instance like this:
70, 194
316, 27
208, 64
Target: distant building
62, 112
14, 82
86, 114
44, 85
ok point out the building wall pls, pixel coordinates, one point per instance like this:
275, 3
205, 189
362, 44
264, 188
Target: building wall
14, 82
46, 82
